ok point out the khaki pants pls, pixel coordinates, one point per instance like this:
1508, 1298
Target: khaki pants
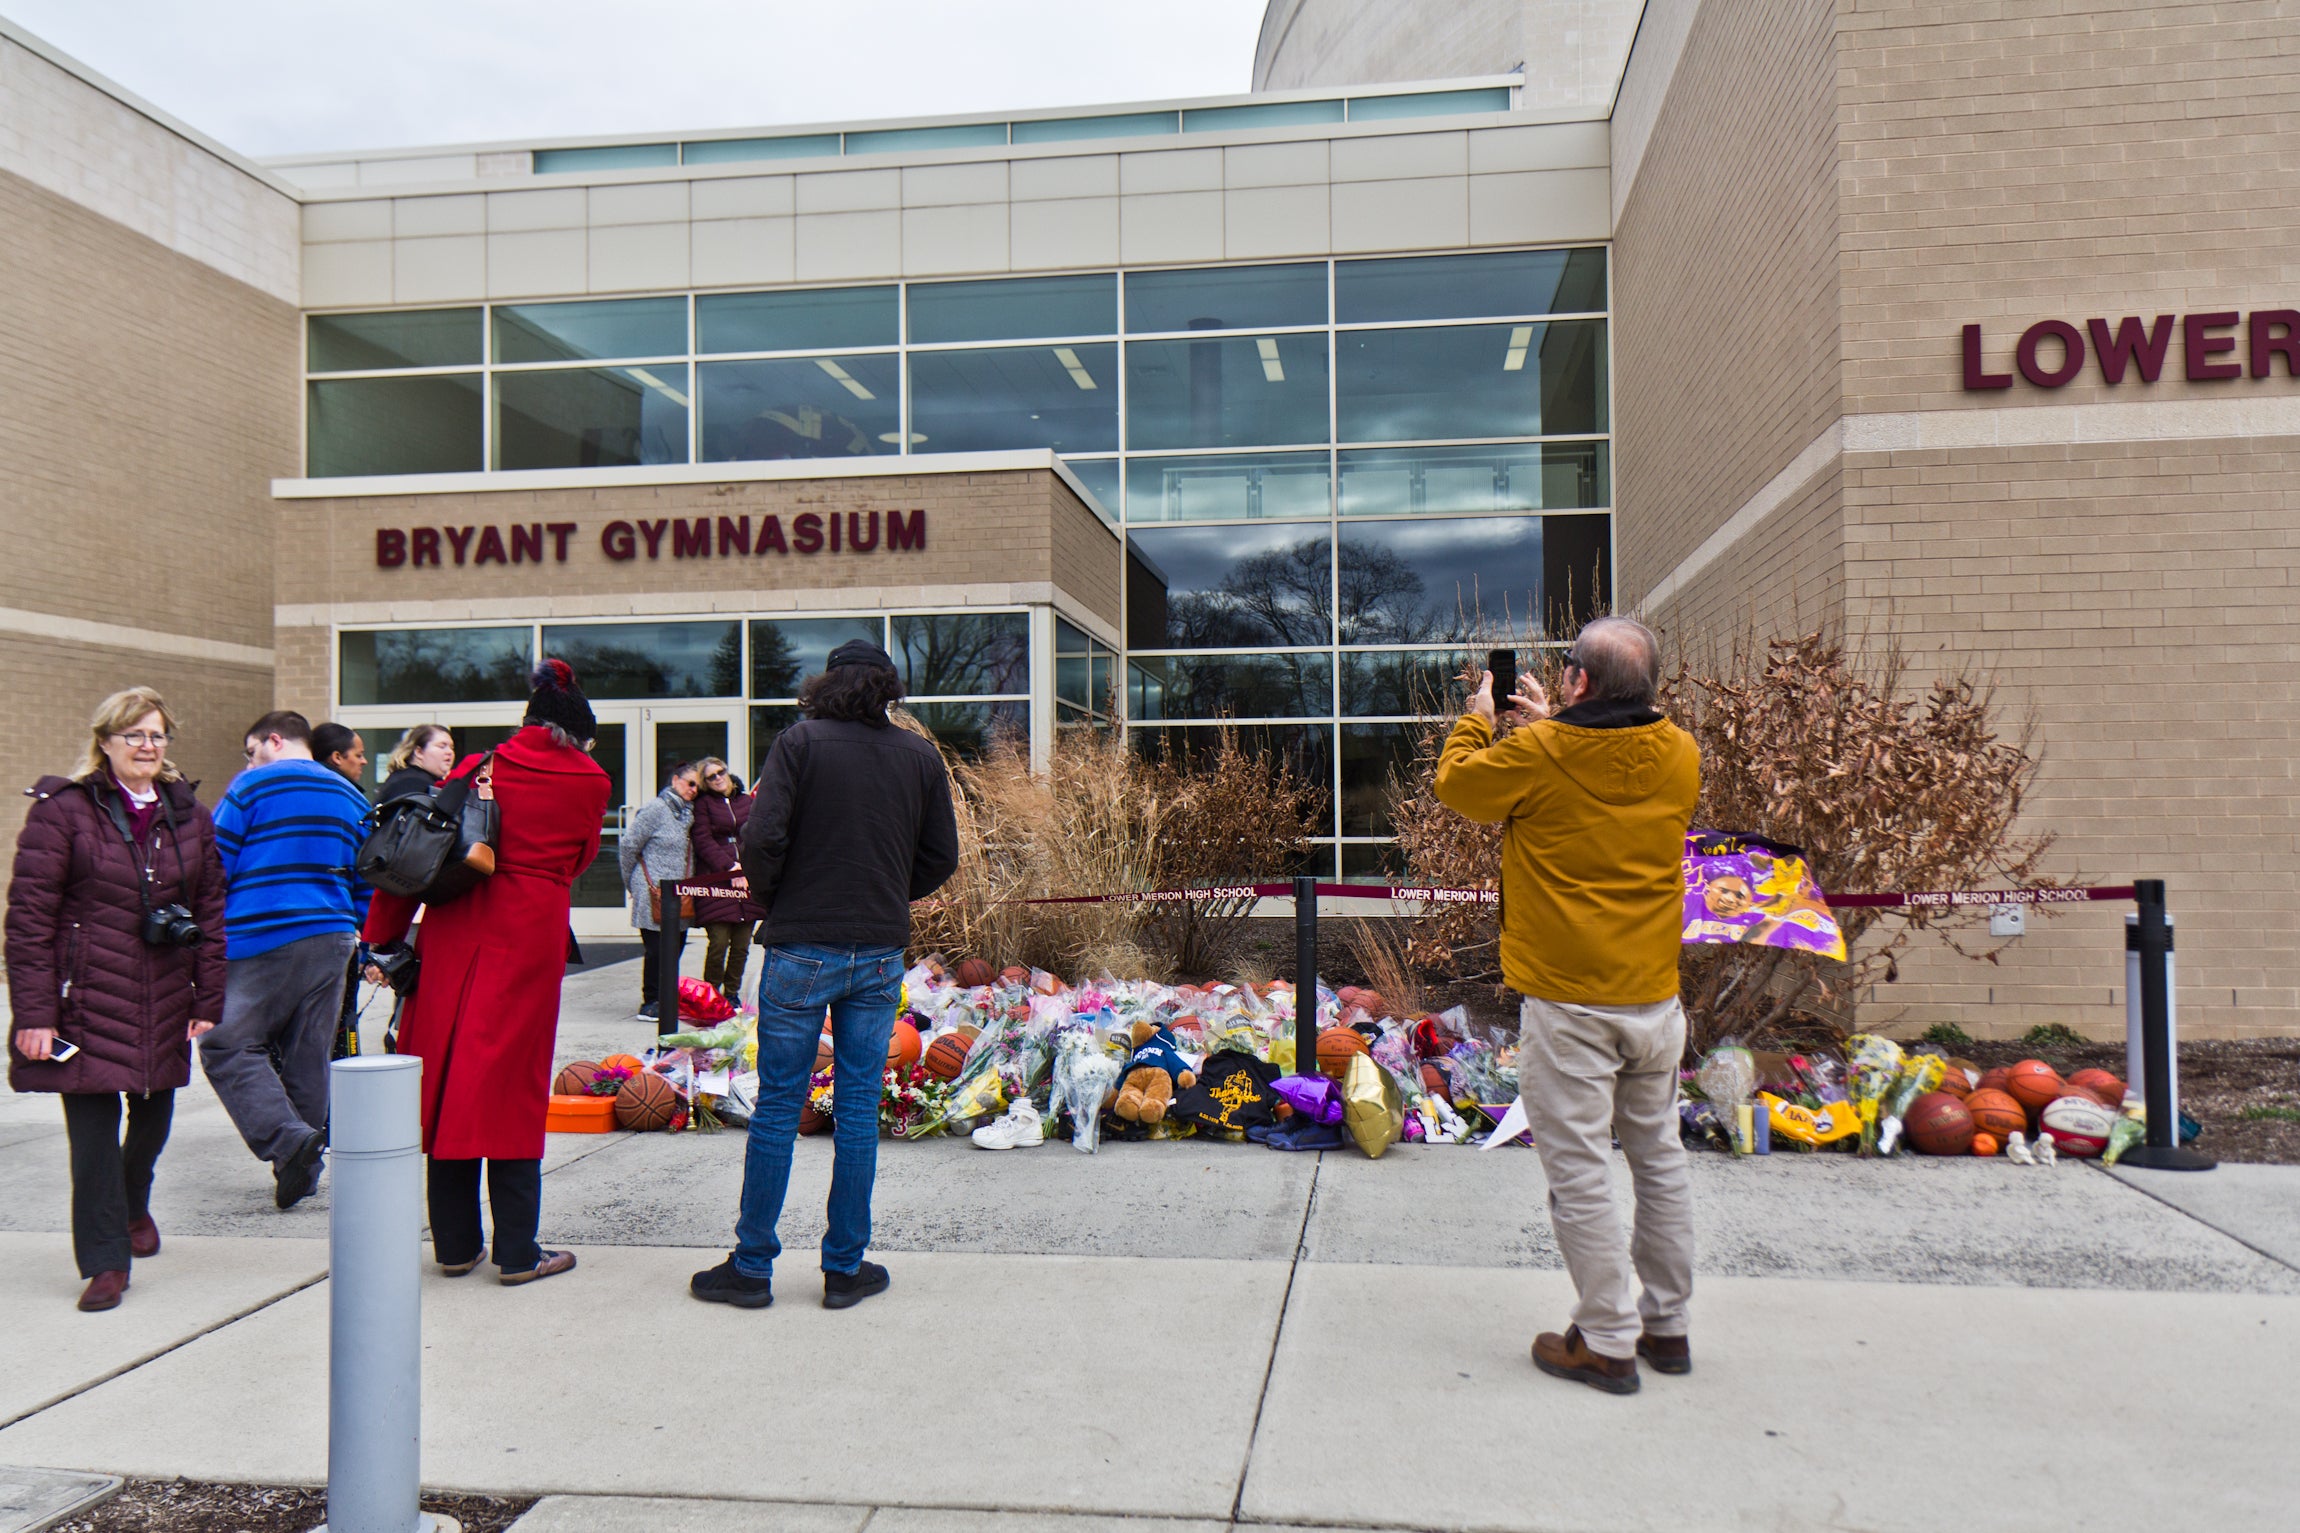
1587, 1075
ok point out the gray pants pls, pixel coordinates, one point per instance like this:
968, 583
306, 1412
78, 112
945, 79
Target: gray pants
291, 996
1589, 1074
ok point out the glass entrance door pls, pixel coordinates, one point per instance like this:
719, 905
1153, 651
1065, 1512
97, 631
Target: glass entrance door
641, 745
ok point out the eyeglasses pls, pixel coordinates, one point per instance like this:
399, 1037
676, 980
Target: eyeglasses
720, 776
141, 739
1571, 659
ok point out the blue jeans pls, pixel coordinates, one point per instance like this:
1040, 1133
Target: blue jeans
861, 986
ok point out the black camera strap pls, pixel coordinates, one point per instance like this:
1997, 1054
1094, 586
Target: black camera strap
118, 814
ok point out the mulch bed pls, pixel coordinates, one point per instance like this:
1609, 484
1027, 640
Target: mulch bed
194, 1506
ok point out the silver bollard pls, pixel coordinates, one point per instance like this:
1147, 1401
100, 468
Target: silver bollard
375, 1308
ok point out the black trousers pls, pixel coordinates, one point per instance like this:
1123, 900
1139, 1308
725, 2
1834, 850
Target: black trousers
514, 1195
112, 1178
651, 964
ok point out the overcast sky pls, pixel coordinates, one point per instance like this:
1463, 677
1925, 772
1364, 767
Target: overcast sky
270, 77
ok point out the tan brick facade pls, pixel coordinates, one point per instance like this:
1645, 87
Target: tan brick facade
2120, 557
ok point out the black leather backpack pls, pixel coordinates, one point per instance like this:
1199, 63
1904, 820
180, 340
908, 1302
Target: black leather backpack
433, 846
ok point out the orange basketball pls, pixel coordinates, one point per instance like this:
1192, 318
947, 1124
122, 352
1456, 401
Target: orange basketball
1015, 974
575, 1080
975, 973
1335, 1046
2102, 1084
1985, 1144
2033, 1084
1939, 1124
902, 1045
1994, 1080
647, 1101
1996, 1112
946, 1056
1433, 1080
630, 1062
823, 1054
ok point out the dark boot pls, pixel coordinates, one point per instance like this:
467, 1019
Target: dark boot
1569, 1357
1666, 1354
103, 1291
143, 1238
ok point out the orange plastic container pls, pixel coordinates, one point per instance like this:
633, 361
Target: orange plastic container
580, 1115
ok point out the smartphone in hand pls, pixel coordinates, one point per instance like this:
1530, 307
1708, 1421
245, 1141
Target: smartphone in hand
61, 1050
1503, 664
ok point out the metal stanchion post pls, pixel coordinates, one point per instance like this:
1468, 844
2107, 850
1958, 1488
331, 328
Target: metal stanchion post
672, 939
1305, 965
2152, 930
375, 1308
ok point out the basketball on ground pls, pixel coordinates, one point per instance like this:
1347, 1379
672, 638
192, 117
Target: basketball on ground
974, 973
902, 1045
946, 1056
647, 1101
2033, 1083
1996, 1113
1938, 1124
1335, 1046
2102, 1084
2079, 1125
575, 1080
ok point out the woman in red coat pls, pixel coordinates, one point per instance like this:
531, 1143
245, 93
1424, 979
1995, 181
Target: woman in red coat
91, 977
486, 1009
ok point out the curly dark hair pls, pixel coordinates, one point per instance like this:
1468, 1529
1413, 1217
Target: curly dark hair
859, 694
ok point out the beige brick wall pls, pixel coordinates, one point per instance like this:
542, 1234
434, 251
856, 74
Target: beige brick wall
1725, 281
1785, 577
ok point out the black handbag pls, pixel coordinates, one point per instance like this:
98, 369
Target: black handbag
432, 846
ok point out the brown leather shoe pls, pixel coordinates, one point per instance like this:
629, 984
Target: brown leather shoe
103, 1291
143, 1238
1667, 1354
553, 1263
1569, 1357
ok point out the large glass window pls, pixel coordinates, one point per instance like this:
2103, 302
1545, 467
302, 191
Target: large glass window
1470, 381
1013, 309
1063, 397
652, 659
347, 343
1413, 682
785, 651
601, 330
963, 654
1280, 686
1237, 391
1470, 286
1430, 582
809, 319
1454, 481
432, 423
814, 407
591, 417
968, 730
433, 665
1259, 486
1226, 298
1229, 587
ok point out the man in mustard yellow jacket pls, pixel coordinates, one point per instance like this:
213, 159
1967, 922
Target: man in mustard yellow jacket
1595, 799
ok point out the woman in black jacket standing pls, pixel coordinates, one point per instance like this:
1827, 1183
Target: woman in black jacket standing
423, 756
720, 810
115, 963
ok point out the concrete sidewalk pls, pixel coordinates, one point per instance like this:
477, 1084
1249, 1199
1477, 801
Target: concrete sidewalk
1213, 1334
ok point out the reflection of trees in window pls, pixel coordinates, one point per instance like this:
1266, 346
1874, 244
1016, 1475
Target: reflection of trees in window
446, 666
774, 664
1287, 596
963, 654
727, 663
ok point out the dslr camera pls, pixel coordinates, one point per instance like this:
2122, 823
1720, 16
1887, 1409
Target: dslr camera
171, 926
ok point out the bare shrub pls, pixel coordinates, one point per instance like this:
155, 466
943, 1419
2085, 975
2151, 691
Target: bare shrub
1230, 817
1381, 950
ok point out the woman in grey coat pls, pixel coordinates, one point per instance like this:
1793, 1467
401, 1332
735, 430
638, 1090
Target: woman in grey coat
657, 845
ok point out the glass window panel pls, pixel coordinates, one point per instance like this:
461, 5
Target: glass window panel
1228, 587
1013, 309
785, 651
1063, 397
965, 135
1372, 859
591, 417
1101, 476
1265, 485
426, 425
549, 162
1230, 686
1435, 103
810, 319
1433, 582
1470, 381
962, 654
1105, 679
1470, 286
1426, 481
1372, 755
811, 407
768, 722
724, 151
1307, 748
434, 665
1415, 681
1274, 114
594, 331
342, 343
682, 743
1576, 572
1048, 130
652, 659
1074, 680
1226, 298
1069, 639
1240, 391
969, 730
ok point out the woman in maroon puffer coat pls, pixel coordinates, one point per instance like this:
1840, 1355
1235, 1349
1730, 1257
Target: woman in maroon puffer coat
80, 972
720, 810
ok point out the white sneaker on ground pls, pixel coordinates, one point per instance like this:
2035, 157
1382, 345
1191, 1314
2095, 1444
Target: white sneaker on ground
1020, 1128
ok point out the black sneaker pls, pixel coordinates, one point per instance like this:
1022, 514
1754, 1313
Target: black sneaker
648, 1012
842, 1289
294, 1181
724, 1284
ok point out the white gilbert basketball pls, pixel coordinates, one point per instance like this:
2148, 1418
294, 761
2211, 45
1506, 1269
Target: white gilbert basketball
2078, 1125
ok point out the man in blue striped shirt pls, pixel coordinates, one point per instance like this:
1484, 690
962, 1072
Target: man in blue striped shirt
289, 830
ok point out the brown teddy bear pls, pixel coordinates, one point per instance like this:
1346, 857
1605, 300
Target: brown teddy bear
1155, 1071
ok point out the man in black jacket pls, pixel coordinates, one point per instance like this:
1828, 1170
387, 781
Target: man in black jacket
851, 823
